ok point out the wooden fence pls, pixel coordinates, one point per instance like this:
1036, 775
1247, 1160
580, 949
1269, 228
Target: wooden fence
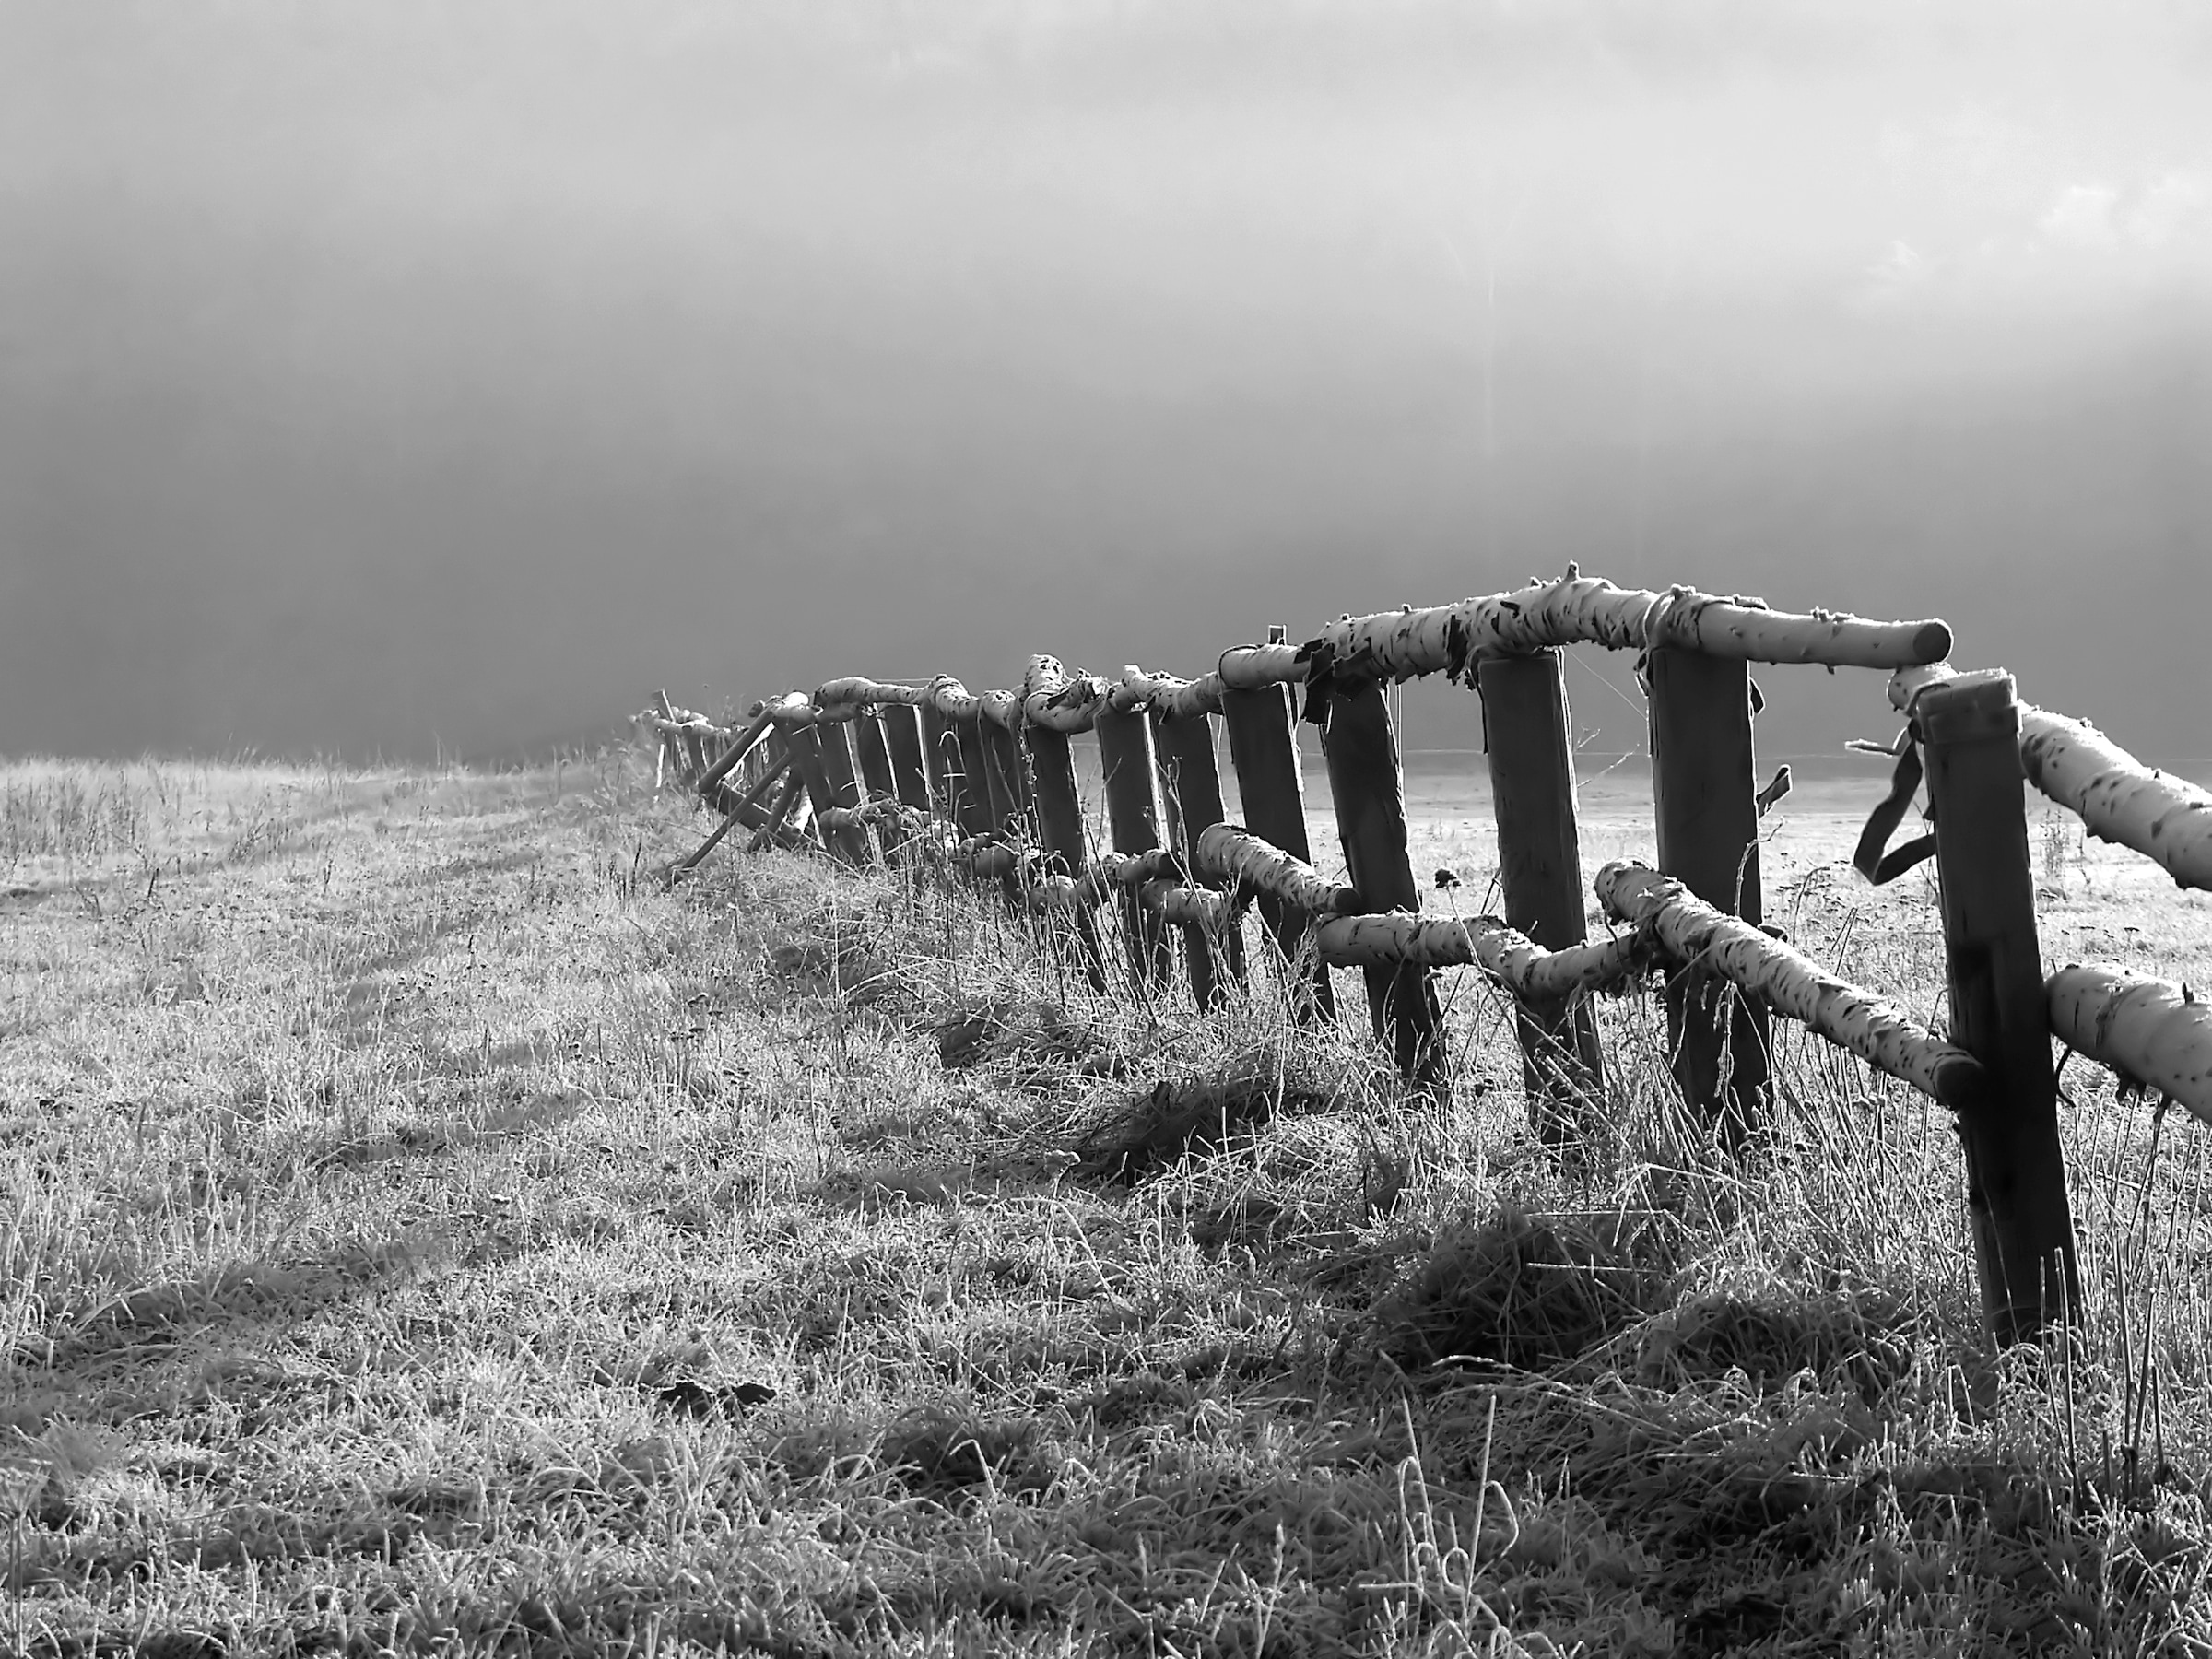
867, 769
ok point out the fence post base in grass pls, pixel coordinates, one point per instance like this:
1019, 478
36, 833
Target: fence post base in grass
1264, 750
1191, 786
1132, 826
794, 790
2015, 1182
902, 737
1704, 795
1528, 740
807, 755
1060, 830
844, 784
1369, 792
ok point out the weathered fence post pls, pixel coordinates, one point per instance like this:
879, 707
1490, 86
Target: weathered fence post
794, 790
1193, 793
844, 781
1002, 758
809, 755
909, 772
1262, 749
1527, 737
1060, 828
1704, 795
2016, 1179
1369, 792
979, 810
875, 753
947, 788
737, 754
1133, 825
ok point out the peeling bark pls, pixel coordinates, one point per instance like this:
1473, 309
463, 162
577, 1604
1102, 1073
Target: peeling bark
1792, 983
1530, 971
1235, 854
1253, 667
1052, 700
1586, 610
2151, 1031
1166, 694
856, 691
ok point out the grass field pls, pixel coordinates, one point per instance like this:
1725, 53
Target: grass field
426, 1232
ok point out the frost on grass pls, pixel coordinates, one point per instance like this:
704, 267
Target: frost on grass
425, 1233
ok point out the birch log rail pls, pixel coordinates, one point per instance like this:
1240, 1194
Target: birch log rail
1347, 939
1792, 983
1237, 855
2150, 1031
2117, 797
1587, 610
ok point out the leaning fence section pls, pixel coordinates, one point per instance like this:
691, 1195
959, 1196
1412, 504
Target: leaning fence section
984, 784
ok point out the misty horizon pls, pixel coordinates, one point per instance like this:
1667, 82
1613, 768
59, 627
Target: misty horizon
385, 380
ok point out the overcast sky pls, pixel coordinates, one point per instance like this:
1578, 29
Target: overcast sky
378, 374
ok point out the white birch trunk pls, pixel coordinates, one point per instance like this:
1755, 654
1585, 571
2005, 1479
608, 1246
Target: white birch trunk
1052, 700
856, 691
1583, 610
2149, 1031
1873, 1028
1529, 970
1229, 853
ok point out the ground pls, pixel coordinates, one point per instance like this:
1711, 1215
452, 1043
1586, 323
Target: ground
425, 1231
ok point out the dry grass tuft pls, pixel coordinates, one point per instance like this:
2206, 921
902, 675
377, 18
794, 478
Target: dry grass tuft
1194, 1117
1525, 1290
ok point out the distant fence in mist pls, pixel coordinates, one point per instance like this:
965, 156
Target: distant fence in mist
870, 769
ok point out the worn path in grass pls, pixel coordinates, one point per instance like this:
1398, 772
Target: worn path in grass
425, 1232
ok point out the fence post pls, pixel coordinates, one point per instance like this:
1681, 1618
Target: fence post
794, 790
902, 737
2016, 1179
845, 781
979, 811
1060, 830
947, 786
1704, 795
1527, 737
1002, 759
1264, 751
737, 755
809, 756
1369, 792
875, 753
1132, 824
1193, 793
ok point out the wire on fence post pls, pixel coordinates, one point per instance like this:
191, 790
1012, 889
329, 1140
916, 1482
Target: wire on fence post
2015, 1185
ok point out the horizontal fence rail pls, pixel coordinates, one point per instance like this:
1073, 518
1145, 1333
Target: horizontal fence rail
980, 782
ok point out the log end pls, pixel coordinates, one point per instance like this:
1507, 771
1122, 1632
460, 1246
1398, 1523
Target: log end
1932, 643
